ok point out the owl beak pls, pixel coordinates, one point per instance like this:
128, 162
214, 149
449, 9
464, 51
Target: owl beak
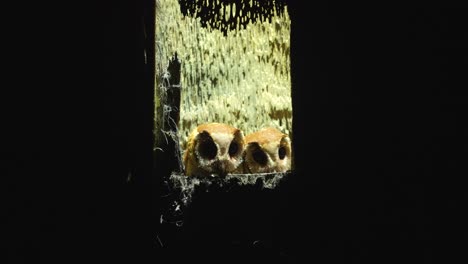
220, 168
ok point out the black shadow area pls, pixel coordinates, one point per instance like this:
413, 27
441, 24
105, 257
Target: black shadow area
380, 142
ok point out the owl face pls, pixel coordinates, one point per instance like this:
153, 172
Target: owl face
268, 150
214, 148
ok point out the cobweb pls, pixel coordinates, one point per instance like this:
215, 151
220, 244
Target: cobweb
172, 93
182, 189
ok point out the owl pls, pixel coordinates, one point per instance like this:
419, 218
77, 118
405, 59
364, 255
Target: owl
267, 150
213, 148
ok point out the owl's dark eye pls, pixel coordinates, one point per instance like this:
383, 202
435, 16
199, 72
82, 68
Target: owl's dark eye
260, 157
207, 149
282, 152
233, 148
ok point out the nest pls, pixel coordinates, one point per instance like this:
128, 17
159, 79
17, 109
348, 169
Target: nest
218, 61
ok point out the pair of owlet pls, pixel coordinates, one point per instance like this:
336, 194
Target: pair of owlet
216, 148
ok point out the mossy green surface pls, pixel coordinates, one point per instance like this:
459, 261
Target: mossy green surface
242, 79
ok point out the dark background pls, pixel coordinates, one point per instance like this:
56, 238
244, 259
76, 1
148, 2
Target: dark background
379, 136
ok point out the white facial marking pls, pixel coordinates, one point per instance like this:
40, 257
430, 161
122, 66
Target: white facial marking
222, 140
